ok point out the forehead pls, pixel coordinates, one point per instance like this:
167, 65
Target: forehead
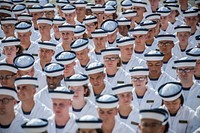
154, 62
26, 85
55, 100
112, 55
4, 72
106, 110
4, 96
165, 41
150, 121
96, 74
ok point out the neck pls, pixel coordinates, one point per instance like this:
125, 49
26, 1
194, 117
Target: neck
7, 119
97, 90
85, 62
26, 45
78, 104
11, 34
43, 63
57, 35
108, 126
46, 37
62, 120
124, 110
193, 29
183, 45
125, 59
141, 91
167, 57
80, 18
140, 48
69, 73
111, 71
66, 46
9, 60
154, 76
149, 41
28, 105
187, 84
138, 19
164, 26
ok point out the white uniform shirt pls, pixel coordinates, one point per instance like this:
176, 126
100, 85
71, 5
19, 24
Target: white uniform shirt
169, 30
154, 45
39, 111
177, 23
121, 76
141, 54
33, 50
150, 100
70, 126
41, 78
96, 56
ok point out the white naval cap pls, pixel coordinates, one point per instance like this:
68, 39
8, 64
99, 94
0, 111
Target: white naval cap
44, 20
110, 10
8, 67
10, 41
77, 80
170, 91
153, 55
166, 2
66, 27
24, 17
61, 3
61, 92
49, 7
79, 30
24, 61
194, 53
140, 3
129, 13
173, 7
89, 122
58, 20
6, 3
124, 41
66, 57
80, 3
163, 11
99, 33
152, 16
19, 8
23, 27
138, 30
17, 1
185, 62
26, 80
190, 12
89, 19
35, 8
110, 51
68, 9
182, 28
107, 101
35, 125
148, 24
8, 91
79, 44
111, 3
98, 8
94, 67
122, 88
158, 114
5, 11
47, 45
31, 2
8, 20
166, 37
139, 70
197, 1
89, 5
197, 38
110, 26
126, 4
54, 69
123, 21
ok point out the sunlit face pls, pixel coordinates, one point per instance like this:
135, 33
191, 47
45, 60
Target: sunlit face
8, 108
185, 74
45, 54
29, 72
125, 98
165, 46
154, 67
191, 21
111, 61
108, 16
50, 14
107, 115
53, 82
82, 55
100, 43
173, 106
69, 68
126, 51
90, 27
140, 11
8, 29
183, 37
101, 2
151, 126
24, 37
26, 92
87, 131
61, 107
69, 17
123, 30
55, 27
7, 78
140, 39
139, 81
10, 51
97, 79
112, 37
67, 36
164, 20
79, 92
80, 11
154, 4
172, 15
44, 28
36, 15
151, 33
197, 67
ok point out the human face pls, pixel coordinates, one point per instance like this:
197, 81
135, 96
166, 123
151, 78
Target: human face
154, 67
173, 106
87, 131
111, 61
82, 55
151, 126
55, 27
183, 37
97, 79
69, 17
29, 72
54, 82
100, 43
123, 30
61, 107
45, 54
191, 21
165, 47
154, 4
67, 36
151, 33
172, 15
112, 37
197, 67
24, 37
8, 108
44, 28
101, 2
80, 11
7, 78
11, 51
140, 11
107, 16
185, 74
79, 92
164, 20
99, 16
125, 98
90, 27
26, 92
49, 14
8, 29
69, 68
140, 39
107, 115
139, 81
126, 52
36, 15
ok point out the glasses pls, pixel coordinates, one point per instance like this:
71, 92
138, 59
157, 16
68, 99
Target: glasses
7, 77
187, 70
138, 79
152, 125
110, 59
5, 100
164, 44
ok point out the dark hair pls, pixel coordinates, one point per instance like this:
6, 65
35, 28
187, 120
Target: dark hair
166, 127
182, 99
99, 130
86, 88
